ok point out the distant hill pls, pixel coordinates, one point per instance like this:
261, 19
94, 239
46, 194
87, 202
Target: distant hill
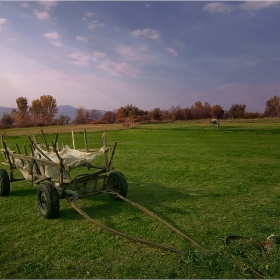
62, 110
66, 110
5, 110
70, 111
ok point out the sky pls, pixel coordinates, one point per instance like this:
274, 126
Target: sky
152, 54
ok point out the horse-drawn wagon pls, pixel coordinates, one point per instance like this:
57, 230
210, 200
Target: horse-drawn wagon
48, 167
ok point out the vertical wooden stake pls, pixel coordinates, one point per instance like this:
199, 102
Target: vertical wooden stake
47, 146
73, 140
85, 138
105, 151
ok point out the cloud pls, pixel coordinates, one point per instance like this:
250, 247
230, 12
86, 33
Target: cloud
258, 5
263, 60
97, 55
41, 15
2, 21
57, 44
91, 24
117, 69
228, 86
87, 15
249, 6
45, 8
80, 58
94, 24
83, 39
54, 36
132, 54
47, 5
218, 8
147, 32
84, 59
172, 51
24, 5
137, 53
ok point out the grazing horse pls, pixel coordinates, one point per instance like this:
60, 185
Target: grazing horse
215, 123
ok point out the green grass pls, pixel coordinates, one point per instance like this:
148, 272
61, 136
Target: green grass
207, 183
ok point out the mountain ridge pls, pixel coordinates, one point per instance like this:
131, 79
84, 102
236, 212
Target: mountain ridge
66, 110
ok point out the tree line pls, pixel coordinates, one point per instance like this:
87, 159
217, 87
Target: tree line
43, 112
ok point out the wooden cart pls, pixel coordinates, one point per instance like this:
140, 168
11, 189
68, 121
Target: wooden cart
49, 168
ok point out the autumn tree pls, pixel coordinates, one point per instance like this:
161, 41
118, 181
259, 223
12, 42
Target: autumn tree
120, 116
6, 121
94, 115
109, 117
21, 116
187, 113
133, 111
62, 120
130, 112
272, 108
43, 110
36, 112
84, 116
237, 111
49, 109
155, 114
177, 113
217, 112
206, 110
252, 115
166, 115
80, 115
200, 111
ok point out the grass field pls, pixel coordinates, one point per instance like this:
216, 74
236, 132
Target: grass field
207, 183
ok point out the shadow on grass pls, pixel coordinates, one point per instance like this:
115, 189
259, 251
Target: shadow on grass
95, 207
28, 191
104, 209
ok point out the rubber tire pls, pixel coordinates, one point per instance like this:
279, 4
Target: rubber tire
48, 200
4, 183
116, 181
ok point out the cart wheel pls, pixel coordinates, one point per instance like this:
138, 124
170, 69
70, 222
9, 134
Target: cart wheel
117, 183
4, 183
48, 200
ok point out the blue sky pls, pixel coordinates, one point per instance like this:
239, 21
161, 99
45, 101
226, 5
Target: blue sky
152, 54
